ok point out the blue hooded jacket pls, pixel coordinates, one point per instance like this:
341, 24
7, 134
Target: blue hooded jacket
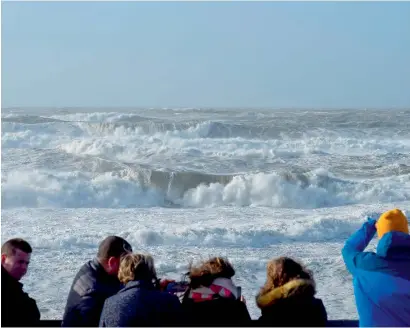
381, 280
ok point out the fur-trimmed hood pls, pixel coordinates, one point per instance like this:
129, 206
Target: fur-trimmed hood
303, 288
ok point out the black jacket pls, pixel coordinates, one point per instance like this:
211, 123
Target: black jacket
218, 312
17, 308
139, 303
91, 287
292, 305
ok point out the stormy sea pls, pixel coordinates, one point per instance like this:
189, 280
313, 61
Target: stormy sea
183, 184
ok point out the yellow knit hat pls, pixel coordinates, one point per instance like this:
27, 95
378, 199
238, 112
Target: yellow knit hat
393, 220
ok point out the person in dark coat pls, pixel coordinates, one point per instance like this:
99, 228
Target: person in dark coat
140, 302
288, 297
94, 283
17, 308
212, 298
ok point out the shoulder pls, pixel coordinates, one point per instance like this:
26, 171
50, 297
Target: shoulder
113, 301
319, 305
365, 259
86, 281
371, 262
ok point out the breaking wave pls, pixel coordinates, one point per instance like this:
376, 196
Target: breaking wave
146, 187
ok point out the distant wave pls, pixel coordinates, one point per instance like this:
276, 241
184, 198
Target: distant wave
200, 158
140, 187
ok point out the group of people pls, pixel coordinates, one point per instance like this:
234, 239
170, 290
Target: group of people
121, 288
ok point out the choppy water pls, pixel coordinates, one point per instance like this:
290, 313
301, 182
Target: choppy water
178, 183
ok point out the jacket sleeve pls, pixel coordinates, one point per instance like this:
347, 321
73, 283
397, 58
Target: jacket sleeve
86, 313
90, 309
33, 313
102, 317
176, 312
245, 316
357, 243
29, 312
322, 322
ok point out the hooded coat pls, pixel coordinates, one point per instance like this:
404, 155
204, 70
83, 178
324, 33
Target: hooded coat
292, 305
381, 280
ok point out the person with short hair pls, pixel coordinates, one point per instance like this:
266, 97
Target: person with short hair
212, 298
17, 308
381, 280
94, 283
140, 302
288, 297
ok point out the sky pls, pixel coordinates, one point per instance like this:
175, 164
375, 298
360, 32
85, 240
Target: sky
206, 54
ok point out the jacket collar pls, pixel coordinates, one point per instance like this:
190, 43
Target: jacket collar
100, 271
294, 288
9, 279
97, 266
138, 284
394, 245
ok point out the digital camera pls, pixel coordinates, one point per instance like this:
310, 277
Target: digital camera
177, 287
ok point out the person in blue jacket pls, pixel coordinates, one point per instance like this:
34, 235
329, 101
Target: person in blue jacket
141, 302
94, 283
381, 280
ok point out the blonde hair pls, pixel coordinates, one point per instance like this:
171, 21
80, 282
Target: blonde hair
137, 267
206, 272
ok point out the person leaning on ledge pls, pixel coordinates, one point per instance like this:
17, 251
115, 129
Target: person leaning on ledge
381, 280
17, 308
94, 283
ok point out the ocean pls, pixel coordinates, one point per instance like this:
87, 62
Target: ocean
187, 184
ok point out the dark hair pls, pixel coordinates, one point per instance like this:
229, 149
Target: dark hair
10, 246
113, 246
282, 270
208, 271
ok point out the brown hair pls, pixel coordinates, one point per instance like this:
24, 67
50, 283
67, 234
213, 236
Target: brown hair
10, 246
137, 267
205, 273
113, 246
282, 270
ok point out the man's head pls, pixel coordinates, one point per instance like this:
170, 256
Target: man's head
15, 257
110, 251
393, 220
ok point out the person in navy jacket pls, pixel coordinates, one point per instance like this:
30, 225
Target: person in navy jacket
381, 280
94, 283
140, 302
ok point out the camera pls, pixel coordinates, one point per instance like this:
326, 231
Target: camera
177, 287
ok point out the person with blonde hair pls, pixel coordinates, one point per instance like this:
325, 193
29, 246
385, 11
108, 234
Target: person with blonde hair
288, 296
212, 298
140, 302
381, 280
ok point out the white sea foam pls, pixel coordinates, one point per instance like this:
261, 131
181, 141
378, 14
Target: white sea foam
65, 238
121, 189
185, 184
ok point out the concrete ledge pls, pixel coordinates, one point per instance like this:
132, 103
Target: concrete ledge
331, 323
